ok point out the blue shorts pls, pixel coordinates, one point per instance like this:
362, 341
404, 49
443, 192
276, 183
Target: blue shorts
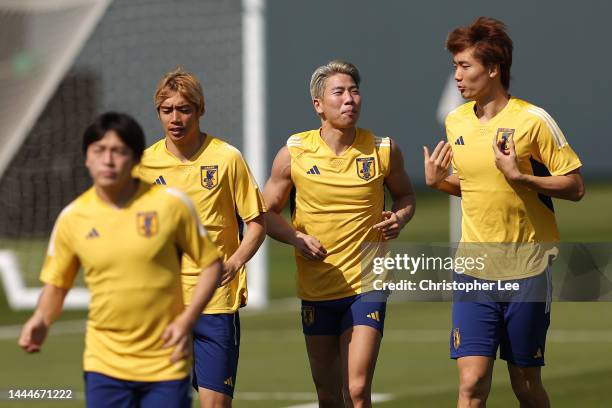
518, 328
216, 346
102, 391
333, 317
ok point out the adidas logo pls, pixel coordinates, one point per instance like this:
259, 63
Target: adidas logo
538, 353
92, 234
374, 316
160, 180
229, 382
313, 170
460, 141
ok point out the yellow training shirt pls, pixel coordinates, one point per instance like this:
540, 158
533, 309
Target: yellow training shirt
218, 181
337, 200
131, 265
495, 210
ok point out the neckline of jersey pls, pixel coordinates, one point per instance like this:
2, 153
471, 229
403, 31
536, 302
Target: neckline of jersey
191, 161
495, 118
142, 186
344, 153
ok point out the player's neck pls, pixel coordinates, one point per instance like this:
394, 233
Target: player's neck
491, 104
188, 148
338, 140
119, 195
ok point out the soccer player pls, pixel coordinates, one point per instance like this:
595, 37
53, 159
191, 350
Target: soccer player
509, 158
125, 234
336, 176
217, 179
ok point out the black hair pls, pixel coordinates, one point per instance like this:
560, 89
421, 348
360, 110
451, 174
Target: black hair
126, 127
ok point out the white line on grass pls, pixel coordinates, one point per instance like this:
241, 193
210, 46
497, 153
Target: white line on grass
391, 335
375, 398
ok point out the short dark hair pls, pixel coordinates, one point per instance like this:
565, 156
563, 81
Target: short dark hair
126, 127
492, 44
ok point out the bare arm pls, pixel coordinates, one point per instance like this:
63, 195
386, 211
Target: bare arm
49, 308
569, 186
436, 169
404, 199
252, 240
276, 192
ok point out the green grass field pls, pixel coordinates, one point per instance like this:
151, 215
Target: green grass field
413, 368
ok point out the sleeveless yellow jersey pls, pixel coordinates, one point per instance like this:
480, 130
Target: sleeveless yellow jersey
337, 199
495, 210
129, 258
220, 184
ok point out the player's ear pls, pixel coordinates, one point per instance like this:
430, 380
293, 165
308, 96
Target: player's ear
316, 102
494, 71
203, 110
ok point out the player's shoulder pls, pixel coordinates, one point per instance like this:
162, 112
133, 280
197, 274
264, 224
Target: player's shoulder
221, 149
155, 149
461, 113
303, 140
80, 206
532, 112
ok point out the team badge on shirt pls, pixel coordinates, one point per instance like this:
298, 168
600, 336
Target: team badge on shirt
148, 223
308, 315
366, 167
210, 176
503, 134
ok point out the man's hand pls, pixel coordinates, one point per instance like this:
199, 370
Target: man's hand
229, 272
177, 335
436, 164
309, 246
33, 334
390, 226
505, 160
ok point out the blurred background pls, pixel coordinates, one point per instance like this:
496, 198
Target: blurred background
62, 62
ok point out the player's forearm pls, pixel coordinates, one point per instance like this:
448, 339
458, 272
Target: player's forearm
252, 240
208, 282
404, 207
51, 303
279, 229
449, 185
567, 187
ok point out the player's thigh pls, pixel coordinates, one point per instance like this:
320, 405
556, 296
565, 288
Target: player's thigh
167, 394
216, 348
213, 399
324, 357
359, 347
102, 391
475, 372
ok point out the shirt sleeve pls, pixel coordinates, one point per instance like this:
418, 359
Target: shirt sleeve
61, 263
248, 197
551, 147
191, 236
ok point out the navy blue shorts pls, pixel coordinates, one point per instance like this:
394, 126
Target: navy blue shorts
102, 391
517, 327
333, 317
216, 347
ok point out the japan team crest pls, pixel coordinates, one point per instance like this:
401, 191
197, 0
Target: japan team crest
503, 134
366, 167
456, 338
147, 223
308, 315
209, 176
